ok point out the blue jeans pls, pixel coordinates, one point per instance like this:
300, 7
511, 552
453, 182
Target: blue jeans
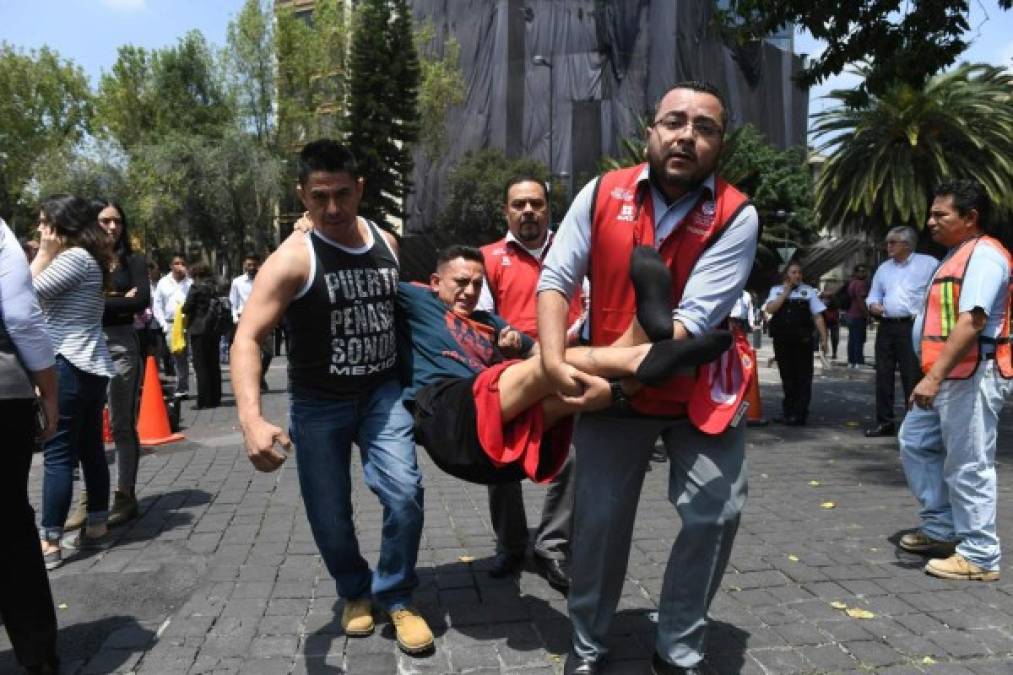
78, 438
378, 423
856, 340
948, 453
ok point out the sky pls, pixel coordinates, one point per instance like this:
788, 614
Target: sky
90, 31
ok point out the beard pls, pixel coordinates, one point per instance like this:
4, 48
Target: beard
529, 230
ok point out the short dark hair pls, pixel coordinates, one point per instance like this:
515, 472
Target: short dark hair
699, 86
967, 194
524, 178
200, 270
455, 251
178, 254
328, 155
251, 255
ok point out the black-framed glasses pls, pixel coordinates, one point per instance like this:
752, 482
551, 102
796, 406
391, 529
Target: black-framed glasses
704, 128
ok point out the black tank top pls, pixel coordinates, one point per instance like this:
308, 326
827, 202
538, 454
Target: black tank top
342, 326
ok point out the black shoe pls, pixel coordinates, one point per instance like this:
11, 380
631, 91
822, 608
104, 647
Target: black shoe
576, 665
881, 430
662, 667
506, 564
554, 571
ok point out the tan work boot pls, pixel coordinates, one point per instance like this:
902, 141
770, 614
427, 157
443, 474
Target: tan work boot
124, 509
357, 617
412, 631
75, 521
958, 567
921, 543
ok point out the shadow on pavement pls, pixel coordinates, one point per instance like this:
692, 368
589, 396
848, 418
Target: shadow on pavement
102, 646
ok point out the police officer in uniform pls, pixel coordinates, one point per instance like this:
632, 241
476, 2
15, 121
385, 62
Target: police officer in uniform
795, 309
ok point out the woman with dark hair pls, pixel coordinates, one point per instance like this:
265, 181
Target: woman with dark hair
68, 275
26, 362
127, 293
204, 336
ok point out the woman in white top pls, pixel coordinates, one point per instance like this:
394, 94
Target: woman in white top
68, 274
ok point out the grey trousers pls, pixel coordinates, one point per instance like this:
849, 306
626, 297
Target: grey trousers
124, 398
506, 509
707, 485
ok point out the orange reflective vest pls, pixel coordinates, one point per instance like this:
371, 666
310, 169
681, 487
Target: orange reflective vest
942, 306
622, 218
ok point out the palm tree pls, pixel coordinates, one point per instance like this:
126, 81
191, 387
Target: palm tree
887, 152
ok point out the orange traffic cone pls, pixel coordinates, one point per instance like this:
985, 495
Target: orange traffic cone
153, 422
754, 414
107, 431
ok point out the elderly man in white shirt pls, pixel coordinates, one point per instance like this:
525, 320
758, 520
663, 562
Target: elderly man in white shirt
896, 298
170, 294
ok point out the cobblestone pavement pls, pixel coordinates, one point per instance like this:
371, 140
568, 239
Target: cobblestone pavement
220, 574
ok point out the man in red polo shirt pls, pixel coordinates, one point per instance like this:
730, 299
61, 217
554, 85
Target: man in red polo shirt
512, 266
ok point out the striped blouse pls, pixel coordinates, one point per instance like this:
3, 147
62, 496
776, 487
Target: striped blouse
70, 292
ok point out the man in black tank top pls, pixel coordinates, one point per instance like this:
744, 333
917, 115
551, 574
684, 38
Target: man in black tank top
336, 286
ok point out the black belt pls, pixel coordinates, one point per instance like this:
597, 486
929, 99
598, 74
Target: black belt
986, 357
896, 319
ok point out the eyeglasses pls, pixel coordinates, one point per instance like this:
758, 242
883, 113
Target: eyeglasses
703, 128
111, 219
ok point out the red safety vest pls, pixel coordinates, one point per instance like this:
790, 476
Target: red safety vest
512, 273
942, 306
623, 217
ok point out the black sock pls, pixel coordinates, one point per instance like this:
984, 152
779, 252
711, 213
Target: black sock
652, 283
668, 356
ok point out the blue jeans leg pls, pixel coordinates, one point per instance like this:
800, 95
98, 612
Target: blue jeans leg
387, 447
323, 432
922, 455
78, 438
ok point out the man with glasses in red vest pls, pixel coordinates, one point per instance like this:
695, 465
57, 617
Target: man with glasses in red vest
948, 438
700, 233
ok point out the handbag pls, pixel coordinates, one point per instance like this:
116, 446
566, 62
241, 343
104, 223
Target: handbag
177, 340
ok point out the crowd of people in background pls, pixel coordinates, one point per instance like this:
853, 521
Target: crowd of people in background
668, 245
80, 312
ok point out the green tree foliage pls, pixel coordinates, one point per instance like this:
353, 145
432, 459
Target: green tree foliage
473, 213
250, 57
383, 104
887, 152
903, 41
45, 105
441, 86
311, 74
150, 94
778, 182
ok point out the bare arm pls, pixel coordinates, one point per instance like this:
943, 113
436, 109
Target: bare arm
962, 338
552, 310
284, 272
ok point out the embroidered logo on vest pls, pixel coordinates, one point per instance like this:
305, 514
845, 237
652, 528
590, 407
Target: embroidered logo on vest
505, 261
627, 213
622, 194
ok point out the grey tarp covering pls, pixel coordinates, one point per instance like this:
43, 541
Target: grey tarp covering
611, 60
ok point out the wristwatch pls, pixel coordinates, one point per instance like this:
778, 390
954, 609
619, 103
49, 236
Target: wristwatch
620, 401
